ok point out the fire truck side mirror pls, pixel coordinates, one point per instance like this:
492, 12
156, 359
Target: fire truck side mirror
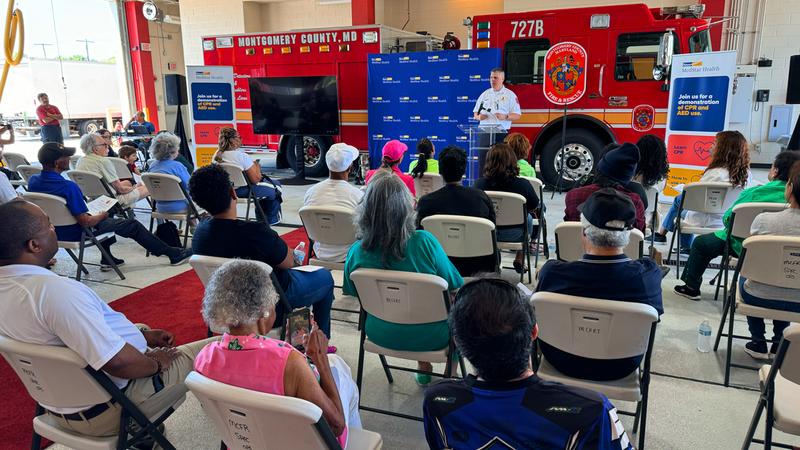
664, 59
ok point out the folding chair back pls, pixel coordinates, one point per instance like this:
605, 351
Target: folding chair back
121, 166
331, 225
569, 246
27, 171
772, 260
509, 208
709, 197
205, 266
594, 328
429, 182
14, 160
55, 207
53, 375
73, 161
652, 199
92, 185
745, 214
402, 297
790, 368
635, 247
164, 187
248, 419
536, 184
462, 236
236, 174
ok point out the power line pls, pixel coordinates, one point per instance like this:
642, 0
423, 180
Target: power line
44, 47
86, 42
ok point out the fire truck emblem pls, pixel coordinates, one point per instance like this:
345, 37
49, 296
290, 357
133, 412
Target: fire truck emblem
564, 72
643, 118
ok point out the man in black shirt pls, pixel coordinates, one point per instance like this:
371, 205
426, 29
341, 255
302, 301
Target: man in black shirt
459, 200
225, 236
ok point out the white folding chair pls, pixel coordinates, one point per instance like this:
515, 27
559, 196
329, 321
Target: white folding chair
255, 420
164, 188
58, 377
600, 329
56, 209
93, 186
73, 161
704, 197
26, 172
771, 260
239, 179
540, 220
780, 392
651, 212
464, 237
569, 246
429, 182
121, 167
14, 160
741, 220
510, 210
407, 298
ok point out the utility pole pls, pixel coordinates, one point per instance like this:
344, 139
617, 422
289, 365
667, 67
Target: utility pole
44, 48
86, 43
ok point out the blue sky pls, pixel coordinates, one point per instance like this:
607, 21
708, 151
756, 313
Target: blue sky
74, 19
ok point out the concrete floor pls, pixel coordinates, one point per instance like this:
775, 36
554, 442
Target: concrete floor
689, 407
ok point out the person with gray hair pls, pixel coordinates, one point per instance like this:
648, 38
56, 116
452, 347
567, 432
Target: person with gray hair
164, 149
240, 299
385, 226
604, 272
96, 150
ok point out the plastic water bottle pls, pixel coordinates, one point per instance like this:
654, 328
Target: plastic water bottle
704, 337
300, 253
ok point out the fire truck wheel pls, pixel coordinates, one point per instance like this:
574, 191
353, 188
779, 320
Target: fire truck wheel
88, 126
315, 148
580, 156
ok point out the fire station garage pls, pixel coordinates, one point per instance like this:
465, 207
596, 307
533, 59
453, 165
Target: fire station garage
400, 224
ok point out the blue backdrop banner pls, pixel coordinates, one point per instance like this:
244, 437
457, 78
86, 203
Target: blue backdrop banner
424, 94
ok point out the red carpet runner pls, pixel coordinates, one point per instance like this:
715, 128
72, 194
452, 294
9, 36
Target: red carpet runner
172, 304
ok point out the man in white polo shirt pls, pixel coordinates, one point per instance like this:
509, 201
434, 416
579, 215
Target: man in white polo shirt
335, 191
41, 307
498, 106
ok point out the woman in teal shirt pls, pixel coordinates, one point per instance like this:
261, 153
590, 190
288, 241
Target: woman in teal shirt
424, 162
385, 223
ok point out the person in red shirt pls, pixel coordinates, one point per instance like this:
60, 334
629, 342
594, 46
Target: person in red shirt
49, 116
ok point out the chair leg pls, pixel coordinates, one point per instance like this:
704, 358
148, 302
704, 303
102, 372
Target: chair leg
725, 307
80, 261
36, 440
75, 258
147, 253
636, 416
671, 246
463, 367
186, 232
122, 434
770, 419
732, 306
108, 258
360, 370
528, 256
678, 251
386, 370
751, 432
222, 445
643, 420
247, 210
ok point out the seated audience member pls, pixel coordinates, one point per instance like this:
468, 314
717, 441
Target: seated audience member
7, 191
652, 170
385, 224
522, 148
709, 246
164, 149
55, 160
10, 174
392, 156
130, 155
784, 223
41, 307
501, 173
504, 402
730, 163
95, 161
335, 191
225, 236
241, 298
615, 169
456, 199
138, 120
604, 272
268, 195
106, 135
424, 162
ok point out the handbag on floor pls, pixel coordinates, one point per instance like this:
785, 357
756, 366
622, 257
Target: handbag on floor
168, 233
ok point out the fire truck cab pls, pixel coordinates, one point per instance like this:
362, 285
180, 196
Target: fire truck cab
622, 102
341, 52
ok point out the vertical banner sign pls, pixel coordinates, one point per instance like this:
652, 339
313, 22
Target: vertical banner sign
701, 85
565, 80
211, 101
424, 94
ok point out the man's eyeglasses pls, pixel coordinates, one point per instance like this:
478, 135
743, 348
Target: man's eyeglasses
101, 145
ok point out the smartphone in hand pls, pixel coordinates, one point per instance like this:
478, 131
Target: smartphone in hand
298, 327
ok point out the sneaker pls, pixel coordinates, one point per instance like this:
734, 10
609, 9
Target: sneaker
106, 267
757, 350
657, 237
686, 251
686, 291
181, 257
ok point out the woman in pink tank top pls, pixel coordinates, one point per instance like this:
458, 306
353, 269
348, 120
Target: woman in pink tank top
240, 297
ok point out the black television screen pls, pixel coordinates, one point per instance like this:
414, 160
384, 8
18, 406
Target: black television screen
295, 105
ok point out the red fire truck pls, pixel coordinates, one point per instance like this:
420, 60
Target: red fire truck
627, 46
341, 52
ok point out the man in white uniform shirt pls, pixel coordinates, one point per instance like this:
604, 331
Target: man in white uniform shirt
497, 105
335, 191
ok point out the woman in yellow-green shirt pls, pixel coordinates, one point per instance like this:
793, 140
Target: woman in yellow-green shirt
522, 148
424, 162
